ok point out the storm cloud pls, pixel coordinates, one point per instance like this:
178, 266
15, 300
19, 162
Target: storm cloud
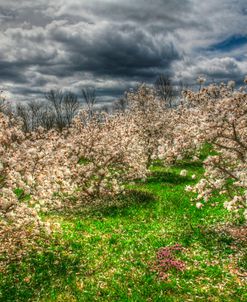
115, 44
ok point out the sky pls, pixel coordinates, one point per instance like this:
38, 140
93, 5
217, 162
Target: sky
113, 45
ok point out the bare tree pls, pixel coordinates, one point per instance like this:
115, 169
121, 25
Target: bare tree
55, 98
5, 107
70, 106
164, 88
48, 117
57, 112
121, 104
89, 96
64, 105
35, 112
2, 101
22, 112
104, 108
180, 88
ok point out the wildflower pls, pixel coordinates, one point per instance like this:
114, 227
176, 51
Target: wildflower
183, 173
199, 205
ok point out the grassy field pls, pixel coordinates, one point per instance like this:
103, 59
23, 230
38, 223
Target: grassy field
107, 252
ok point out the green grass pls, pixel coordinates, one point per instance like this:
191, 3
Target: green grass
106, 252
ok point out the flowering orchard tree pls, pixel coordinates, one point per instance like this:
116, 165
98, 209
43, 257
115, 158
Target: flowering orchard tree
147, 112
156, 124
222, 122
105, 153
92, 158
19, 224
98, 154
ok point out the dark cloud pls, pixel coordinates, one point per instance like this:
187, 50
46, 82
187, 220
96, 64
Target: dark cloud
117, 52
114, 44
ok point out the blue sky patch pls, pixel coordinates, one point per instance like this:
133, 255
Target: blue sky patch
229, 43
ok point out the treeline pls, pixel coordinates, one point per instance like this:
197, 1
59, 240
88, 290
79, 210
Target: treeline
59, 108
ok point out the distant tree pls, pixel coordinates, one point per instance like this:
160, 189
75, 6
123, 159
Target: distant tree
48, 117
121, 104
22, 112
55, 98
70, 106
165, 90
35, 109
105, 109
89, 96
2, 101
64, 105
30, 113
4, 105
180, 88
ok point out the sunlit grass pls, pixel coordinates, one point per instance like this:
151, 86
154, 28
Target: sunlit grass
106, 252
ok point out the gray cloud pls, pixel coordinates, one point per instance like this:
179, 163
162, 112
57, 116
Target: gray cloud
114, 44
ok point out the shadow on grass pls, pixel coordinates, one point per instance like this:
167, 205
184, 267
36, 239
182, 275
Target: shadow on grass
189, 164
168, 177
123, 203
139, 197
215, 241
113, 206
45, 273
